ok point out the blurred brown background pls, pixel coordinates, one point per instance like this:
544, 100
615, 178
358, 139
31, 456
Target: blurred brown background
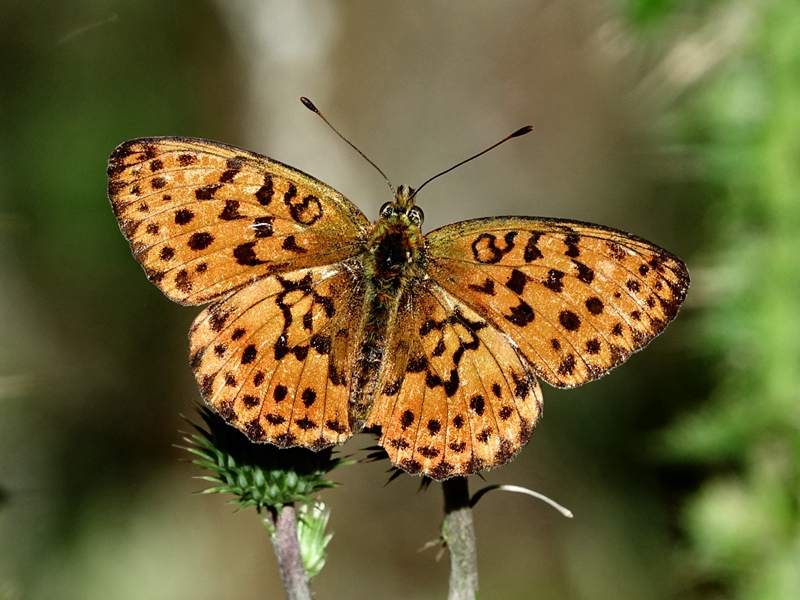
659, 118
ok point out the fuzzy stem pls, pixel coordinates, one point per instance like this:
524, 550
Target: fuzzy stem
458, 532
283, 534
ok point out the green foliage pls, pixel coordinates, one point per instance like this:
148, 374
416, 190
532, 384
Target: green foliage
651, 12
743, 524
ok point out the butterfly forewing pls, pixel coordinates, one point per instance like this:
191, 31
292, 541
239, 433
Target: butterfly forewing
275, 358
204, 218
577, 299
454, 396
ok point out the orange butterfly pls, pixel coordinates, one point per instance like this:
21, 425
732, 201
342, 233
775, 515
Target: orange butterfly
322, 324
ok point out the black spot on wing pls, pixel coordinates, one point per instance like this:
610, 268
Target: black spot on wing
218, 319
279, 393
428, 451
477, 404
275, 419
485, 248
553, 281
263, 226
266, 191
183, 216
487, 287
521, 315
249, 354
585, 274
207, 192
484, 435
335, 425
149, 151
417, 364
183, 282
567, 366
308, 397
434, 426
200, 240
532, 252
517, 281
594, 305
569, 320
231, 211
522, 385
457, 447
246, 256
228, 175
253, 430
290, 244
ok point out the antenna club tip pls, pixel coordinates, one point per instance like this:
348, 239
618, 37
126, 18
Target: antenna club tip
522, 131
308, 104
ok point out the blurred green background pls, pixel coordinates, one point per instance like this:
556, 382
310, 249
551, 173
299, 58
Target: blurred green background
676, 120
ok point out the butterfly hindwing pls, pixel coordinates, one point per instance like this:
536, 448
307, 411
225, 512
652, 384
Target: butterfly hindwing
576, 299
275, 358
204, 218
454, 396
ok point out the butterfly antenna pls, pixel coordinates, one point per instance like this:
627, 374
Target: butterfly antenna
517, 133
310, 106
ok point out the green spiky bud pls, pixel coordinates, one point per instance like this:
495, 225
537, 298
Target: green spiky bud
260, 475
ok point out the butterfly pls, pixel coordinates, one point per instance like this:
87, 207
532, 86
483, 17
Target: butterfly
322, 324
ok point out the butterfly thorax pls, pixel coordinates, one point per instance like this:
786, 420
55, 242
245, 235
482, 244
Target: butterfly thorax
392, 265
395, 244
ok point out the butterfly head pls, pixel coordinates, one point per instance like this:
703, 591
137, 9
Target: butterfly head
402, 209
396, 241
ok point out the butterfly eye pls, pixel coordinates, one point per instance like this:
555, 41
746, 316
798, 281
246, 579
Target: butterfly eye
416, 215
386, 210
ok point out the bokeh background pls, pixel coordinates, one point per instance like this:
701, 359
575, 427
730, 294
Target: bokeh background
677, 120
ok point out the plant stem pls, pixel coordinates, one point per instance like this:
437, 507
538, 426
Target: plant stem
458, 532
284, 539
